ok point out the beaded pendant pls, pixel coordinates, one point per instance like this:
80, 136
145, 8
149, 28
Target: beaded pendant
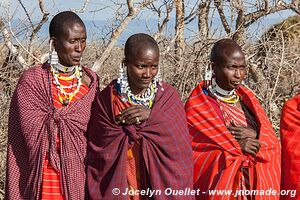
65, 102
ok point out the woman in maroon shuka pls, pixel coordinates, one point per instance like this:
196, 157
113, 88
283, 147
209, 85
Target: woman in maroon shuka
138, 138
48, 118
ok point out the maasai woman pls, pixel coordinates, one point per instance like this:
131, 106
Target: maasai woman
138, 142
234, 145
48, 118
290, 140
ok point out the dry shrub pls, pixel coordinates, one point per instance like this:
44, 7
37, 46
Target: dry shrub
9, 74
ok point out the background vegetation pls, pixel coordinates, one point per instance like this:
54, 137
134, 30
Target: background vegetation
185, 31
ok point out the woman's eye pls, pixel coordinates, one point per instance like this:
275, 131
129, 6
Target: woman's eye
139, 66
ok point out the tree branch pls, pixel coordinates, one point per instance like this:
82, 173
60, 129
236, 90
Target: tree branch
219, 7
9, 45
161, 26
193, 14
132, 11
254, 16
204, 8
82, 10
40, 24
240, 23
179, 29
27, 14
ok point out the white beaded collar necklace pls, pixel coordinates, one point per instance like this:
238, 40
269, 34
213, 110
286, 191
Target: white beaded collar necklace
217, 89
63, 68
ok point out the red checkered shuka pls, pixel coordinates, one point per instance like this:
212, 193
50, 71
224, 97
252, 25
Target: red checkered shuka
51, 184
33, 122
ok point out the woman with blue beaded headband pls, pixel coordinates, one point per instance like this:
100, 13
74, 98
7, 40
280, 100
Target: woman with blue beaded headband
49, 113
138, 138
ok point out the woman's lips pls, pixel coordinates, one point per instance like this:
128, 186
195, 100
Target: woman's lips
77, 58
235, 83
146, 81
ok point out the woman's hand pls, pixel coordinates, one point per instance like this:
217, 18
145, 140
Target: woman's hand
242, 132
133, 115
250, 146
246, 137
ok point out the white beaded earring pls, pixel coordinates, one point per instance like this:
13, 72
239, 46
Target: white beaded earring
208, 76
53, 57
122, 79
158, 79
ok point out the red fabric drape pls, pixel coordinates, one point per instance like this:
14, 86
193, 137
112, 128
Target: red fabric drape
217, 155
290, 140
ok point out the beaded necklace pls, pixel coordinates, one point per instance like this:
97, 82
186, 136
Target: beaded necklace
66, 97
146, 98
220, 94
64, 69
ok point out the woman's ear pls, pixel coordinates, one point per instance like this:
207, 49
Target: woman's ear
213, 66
52, 42
124, 61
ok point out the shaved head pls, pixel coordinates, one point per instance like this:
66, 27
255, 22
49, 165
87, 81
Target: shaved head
137, 41
62, 22
224, 48
228, 63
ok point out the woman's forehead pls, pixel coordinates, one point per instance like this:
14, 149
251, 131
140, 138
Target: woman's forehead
73, 30
140, 50
232, 54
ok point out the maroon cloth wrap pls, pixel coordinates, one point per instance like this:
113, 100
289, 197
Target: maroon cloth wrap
33, 125
165, 144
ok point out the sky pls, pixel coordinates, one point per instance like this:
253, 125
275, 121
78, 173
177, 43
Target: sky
99, 15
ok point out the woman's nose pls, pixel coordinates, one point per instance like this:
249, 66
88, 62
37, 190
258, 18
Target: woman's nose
147, 72
78, 46
237, 73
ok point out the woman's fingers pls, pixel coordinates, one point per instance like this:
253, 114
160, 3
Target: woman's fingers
131, 110
250, 146
134, 115
241, 132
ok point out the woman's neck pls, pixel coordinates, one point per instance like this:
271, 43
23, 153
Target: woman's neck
221, 91
68, 70
136, 91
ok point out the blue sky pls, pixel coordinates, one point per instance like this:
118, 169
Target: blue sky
99, 13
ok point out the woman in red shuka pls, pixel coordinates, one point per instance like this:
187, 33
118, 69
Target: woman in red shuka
234, 145
290, 145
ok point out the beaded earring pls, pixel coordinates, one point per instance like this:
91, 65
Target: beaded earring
53, 57
122, 79
208, 76
158, 79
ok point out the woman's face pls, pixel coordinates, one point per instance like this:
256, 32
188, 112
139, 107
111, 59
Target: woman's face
142, 67
231, 72
71, 44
